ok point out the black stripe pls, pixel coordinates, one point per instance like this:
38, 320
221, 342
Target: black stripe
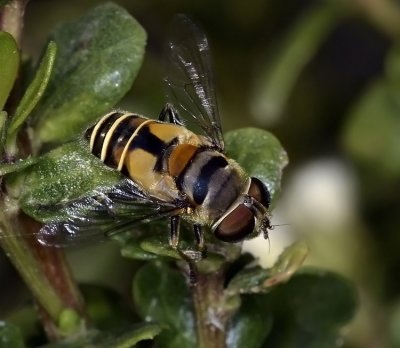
181, 177
102, 131
200, 188
148, 142
158, 167
119, 137
124, 171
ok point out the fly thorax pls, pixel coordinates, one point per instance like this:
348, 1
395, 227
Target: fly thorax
212, 183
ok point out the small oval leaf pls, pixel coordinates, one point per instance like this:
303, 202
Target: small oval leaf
161, 295
288, 263
22, 164
310, 309
260, 153
99, 57
9, 61
66, 173
36, 88
251, 324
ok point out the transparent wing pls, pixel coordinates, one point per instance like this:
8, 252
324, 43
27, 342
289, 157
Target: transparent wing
189, 79
103, 214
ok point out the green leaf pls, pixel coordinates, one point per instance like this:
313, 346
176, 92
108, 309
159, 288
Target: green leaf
10, 336
160, 294
256, 279
66, 173
98, 59
4, 2
249, 280
152, 240
35, 90
122, 338
9, 63
259, 153
17, 166
251, 324
310, 310
287, 264
141, 333
372, 132
134, 251
148, 242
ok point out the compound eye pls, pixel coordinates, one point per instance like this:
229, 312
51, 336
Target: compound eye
237, 225
260, 192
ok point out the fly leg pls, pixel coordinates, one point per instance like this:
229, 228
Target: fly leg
174, 232
188, 256
199, 235
169, 113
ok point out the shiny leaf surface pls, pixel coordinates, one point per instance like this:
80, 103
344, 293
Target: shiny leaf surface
161, 295
259, 153
310, 309
63, 174
251, 324
99, 57
9, 62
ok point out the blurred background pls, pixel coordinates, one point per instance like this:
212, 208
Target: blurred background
324, 77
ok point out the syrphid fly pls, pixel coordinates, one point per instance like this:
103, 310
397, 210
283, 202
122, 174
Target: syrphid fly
174, 167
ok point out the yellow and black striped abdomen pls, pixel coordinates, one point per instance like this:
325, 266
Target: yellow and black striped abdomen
138, 147
110, 136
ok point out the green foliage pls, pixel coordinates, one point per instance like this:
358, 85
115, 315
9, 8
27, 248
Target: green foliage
265, 160
98, 59
9, 57
251, 325
160, 294
310, 309
10, 336
65, 173
35, 90
255, 279
122, 338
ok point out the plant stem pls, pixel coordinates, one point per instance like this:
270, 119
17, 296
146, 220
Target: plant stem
43, 269
11, 19
211, 316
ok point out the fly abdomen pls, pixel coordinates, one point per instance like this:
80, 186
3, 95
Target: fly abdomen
110, 135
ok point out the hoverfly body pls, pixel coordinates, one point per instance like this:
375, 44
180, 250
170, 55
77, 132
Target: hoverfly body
170, 171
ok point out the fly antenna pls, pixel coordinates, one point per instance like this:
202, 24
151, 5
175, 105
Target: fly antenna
275, 225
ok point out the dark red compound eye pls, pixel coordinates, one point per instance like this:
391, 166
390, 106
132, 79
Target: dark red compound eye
260, 192
237, 225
